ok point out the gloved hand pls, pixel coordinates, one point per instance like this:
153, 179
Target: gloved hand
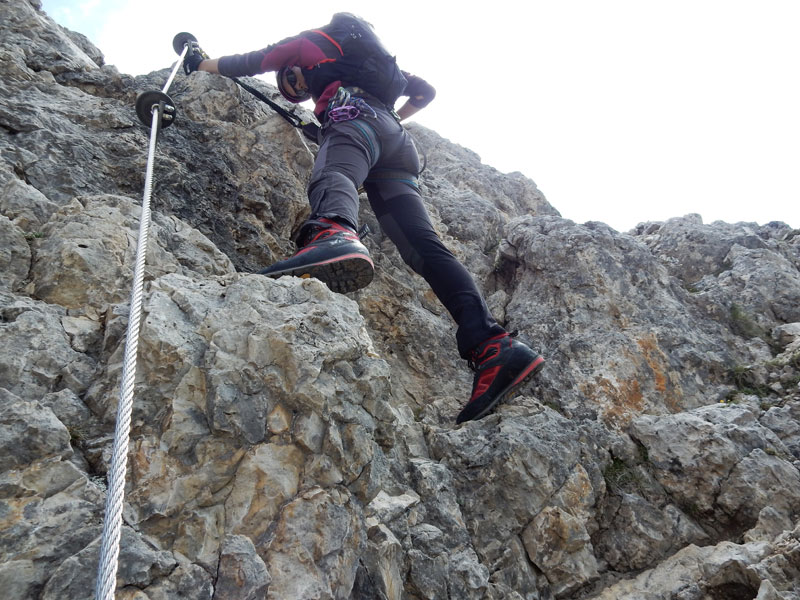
194, 56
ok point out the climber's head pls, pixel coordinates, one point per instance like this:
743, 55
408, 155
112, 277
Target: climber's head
292, 84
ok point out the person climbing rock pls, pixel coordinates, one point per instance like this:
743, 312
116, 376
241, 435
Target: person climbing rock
354, 83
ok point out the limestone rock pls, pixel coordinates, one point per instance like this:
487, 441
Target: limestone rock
726, 570
30, 433
288, 442
711, 471
243, 575
140, 565
383, 572
786, 334
15, 255
315, 551
580, 288
26, 206
36, 356
640, 530
86, 255
559, 545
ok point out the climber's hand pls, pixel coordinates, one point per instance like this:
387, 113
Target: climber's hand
194, 56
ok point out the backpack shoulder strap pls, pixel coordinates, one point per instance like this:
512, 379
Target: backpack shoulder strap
336, 46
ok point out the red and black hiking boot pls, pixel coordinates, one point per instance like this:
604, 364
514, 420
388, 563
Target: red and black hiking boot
332, 253
501, 365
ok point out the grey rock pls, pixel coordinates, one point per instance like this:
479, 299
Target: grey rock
759, 481
265, 480
244, 575
578, 288
37, 357
785, 422
50, 513
559, 545
786, 334
691, 249
18, 579
26, 206
29, 432
86, 255
314, 553
288, 442
139, 565
641, 531
384, 561
713, 478
386, 508
15, 255
186, 581
727, 569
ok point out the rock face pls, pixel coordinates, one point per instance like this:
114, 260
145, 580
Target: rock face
288, 442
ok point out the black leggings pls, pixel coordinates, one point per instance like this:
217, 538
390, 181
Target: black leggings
405, 220
379, 153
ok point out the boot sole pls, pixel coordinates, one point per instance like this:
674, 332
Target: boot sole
508, 392
343, 274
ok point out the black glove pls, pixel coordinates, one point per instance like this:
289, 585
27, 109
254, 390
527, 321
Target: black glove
194, 56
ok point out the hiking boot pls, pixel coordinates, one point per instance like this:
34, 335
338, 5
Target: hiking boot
501, 365
332, 253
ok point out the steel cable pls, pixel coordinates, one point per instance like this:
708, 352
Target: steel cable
112, 524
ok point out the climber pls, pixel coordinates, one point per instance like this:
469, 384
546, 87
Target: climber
354, 83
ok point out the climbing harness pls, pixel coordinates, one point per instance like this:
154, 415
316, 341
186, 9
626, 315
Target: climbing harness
343, 106
351, 111
156, 110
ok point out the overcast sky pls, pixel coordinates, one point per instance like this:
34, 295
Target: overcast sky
621, 111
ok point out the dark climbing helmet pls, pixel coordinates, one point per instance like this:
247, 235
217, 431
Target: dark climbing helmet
287, 80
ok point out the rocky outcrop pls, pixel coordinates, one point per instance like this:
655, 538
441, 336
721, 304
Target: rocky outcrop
289, 442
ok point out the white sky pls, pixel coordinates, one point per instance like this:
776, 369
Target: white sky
621, 111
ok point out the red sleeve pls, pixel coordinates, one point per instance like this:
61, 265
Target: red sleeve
295, 51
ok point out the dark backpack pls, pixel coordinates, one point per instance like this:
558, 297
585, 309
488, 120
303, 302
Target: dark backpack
359, 59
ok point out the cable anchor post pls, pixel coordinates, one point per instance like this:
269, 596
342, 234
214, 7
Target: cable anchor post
146, 102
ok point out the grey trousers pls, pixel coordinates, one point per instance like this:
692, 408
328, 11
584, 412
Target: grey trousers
380, 154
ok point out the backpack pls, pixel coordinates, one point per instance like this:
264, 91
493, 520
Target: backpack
358, 59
